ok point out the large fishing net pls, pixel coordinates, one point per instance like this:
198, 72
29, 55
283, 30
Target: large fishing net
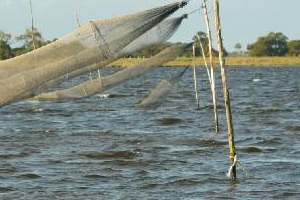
161, 92
159, 34
94, 42
101, 84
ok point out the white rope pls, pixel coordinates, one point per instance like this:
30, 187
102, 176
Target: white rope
230, 171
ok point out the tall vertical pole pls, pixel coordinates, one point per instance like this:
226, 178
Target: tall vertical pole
232, 152
195, 78
32, 26
212, 70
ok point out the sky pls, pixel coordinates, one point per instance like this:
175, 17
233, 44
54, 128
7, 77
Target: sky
243, 21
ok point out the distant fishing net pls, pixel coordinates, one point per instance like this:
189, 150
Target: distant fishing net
101, 84
159, 34
94, 42
161, 92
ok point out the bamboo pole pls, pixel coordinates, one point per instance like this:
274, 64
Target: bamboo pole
32, 33
212, 70
32, 26
195, 78
204, 58
77, 19
232, 152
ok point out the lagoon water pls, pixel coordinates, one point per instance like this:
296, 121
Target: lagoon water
105, 148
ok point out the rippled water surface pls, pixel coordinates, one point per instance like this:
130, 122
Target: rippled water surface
105, 148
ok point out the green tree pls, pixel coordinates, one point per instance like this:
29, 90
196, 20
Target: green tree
27, 43
204, 41
5, 49
274, 44
5, 37
294, 48
238, 48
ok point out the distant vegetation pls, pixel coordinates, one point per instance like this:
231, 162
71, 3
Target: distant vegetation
274, 44
271, 45
22, 42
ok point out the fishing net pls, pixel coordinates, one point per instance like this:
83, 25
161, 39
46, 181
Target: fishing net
161, 92
101, 84
159, 34
94, 42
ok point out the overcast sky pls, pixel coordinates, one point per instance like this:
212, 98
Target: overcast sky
242, 20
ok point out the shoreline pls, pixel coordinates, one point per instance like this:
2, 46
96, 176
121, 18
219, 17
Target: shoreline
230, 62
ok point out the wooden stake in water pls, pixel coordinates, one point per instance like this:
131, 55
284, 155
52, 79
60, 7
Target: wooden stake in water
195, 78
232, 152
212, 70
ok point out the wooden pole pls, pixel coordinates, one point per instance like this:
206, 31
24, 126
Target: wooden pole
32, 26
204, 58
32, 33
232, 152
212, 70
195, 78
77, 19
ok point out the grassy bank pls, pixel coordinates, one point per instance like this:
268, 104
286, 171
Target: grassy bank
231, 61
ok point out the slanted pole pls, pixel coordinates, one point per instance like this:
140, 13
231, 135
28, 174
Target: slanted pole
232, 152
195, 78
77, 19
204, 58
212, 70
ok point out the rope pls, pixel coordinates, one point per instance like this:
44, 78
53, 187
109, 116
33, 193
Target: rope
230, 171
196, 10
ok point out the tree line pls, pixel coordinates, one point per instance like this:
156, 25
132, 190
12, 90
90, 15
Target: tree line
273, 44
14, 46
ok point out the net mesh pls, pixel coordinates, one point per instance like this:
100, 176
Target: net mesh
76, 50
161, 92
160, 33
92, 87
